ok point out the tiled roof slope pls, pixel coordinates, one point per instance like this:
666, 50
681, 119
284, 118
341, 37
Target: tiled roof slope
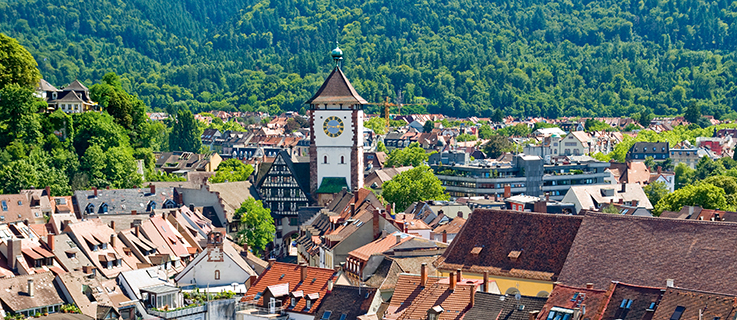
281, 273
641, 297
710, 305
336, 89
647, 251
407, 289
486, 240
563, 297
346, 300
496, 306
455, 303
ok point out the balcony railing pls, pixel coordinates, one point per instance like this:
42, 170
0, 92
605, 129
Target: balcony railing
251, 307
177, 313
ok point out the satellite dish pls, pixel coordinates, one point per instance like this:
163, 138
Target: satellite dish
518, 296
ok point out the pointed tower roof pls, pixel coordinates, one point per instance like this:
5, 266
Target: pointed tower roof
76, 86
336, 90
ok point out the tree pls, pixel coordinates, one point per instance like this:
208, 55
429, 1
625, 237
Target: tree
376, 124
185, 133
232, 170
610, 209
256, 226
380, 147
592, 125
645, 118
693, 113
485, 131
98, 128
417, 184
19, 117
518, 130
705, 195
128, 111
707, 168
656, 191
498, 116
497, 145
17, 65
428, 126
412, 155
684, 175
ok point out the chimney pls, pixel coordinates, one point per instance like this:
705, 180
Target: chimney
624, 188
48, 191
507, 191
388, 208
621, 201
460, 214
50, 241
191, 207
541, 206
634, 203
13, 252
690, 211
375, 224
137, 230
303, 271
486, 281
445, 236
94, 189
134, 212
112, 225
459, 275
330, 285
589, 285
660, 169
399, 238
472, 299
353, 209
452, 281
547, 197
423, 274
669, 283
112, 240
163, 215
271, 261
30, 287
153, 188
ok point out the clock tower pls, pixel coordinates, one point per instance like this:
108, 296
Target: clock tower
336, 134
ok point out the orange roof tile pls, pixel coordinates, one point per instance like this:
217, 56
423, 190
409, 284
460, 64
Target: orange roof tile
379, 246
411, 301
316, 281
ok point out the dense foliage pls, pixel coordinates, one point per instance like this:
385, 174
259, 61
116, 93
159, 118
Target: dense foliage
232, 170
511, 57
256, 226
417, 184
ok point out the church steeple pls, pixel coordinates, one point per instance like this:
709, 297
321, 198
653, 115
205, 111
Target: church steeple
336, 89
337, 55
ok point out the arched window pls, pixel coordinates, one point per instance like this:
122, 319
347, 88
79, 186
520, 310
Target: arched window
512, 291
325, 159
342, 159
217, 274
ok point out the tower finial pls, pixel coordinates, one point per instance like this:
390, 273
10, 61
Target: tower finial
337, 54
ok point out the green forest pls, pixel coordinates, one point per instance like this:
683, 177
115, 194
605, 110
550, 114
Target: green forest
461, 57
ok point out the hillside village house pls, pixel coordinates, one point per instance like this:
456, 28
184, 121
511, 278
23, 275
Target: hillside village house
74, 98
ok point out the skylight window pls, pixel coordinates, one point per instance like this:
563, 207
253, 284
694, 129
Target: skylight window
678, 313
326, 315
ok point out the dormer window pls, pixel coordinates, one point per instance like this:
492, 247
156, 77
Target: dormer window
103, 208
151, 206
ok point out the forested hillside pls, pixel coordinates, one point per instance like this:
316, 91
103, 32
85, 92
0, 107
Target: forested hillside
463, 57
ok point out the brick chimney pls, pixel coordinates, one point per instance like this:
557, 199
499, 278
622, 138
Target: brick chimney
445, 236
375, 224
459, 275
634, 203
507, 191
388, 208
423, 274
460, 214
137, 231
660, 169
50, 241
113, 241
94, 190
271, 261
452, 281
303, 271
589, 285
153, 188
486, 281
112, 225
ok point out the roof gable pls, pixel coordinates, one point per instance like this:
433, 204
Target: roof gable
316, 281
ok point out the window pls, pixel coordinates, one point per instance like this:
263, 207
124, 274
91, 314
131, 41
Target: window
678, 313
326, 315
5, 206
626, 303
217, 274
308, 304
557, 313
343, 316
20, 203
293, 302
342, 159
325, 159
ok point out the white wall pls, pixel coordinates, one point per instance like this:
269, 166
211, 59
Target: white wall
204, 273
338, 146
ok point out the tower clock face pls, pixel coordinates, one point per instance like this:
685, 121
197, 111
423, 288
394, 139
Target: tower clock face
333, 126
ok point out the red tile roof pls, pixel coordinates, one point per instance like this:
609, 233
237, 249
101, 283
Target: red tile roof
411, 301
568, 297
379, 246
487, 238
316, 281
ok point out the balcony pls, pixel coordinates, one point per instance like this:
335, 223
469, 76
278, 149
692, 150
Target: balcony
177, 313
250, 310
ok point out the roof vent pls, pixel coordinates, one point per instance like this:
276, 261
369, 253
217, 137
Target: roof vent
514, 255
476, 250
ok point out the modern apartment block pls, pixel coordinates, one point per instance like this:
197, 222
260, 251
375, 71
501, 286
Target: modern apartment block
525, 174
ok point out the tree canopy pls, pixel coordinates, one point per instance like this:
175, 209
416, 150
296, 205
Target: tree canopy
705, 195
232, 170
17, 65
416, 184
256, 226
412, 155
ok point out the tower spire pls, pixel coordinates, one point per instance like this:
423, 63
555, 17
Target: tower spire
337, 55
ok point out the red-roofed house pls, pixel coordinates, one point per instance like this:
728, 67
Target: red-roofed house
288, 289
359, 258
567, 302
